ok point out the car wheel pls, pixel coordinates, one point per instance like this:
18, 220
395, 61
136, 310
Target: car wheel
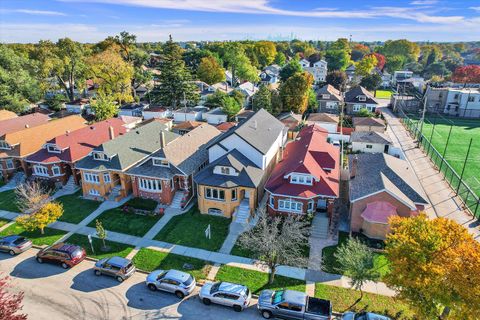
206, 301
179, 294
237, 308
39, 260
11, 252
266, 314
64, 265
98, 273
119, 279
152, 287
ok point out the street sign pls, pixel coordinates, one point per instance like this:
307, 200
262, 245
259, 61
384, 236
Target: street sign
208, 233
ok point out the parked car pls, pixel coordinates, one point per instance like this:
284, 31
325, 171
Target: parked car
363, 316
228, 294
14, 244
117, 267
174, 281
65, 254
289, 304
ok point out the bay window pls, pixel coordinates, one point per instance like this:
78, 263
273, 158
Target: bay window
91, 177
41, 171
214, 194
290, 205
150, 185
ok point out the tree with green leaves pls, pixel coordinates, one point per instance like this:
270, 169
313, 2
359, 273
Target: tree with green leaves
265, 52
294, 92
280, 59
290, 69
312, 103
175, 86
18, 85
210, 71
104, 107
355, 261
404, 48
337, 59
101, 232
229, 104
262, 99
277, 103
337, 79
394, 63
365, 66
371, 82
239, 64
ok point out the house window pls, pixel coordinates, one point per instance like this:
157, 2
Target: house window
362, 98
272, 201
298, 179
91, 177
53, 149
215, 194
40, 171
4, 145
455, 96
100, 156
150, 185
106, 177
290, 205
56, 170
369, 146
234, 194
160, 162
471, 99
225, 170
325, 96
357, 107
9, 164
94, 192
310, 206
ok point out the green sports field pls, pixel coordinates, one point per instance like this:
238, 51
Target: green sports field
462, 131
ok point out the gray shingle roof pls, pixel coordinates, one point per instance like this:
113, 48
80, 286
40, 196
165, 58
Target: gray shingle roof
370, 137
249, 174
129, 149
380, 171
335, 94
260, 131
352, 96
368, 121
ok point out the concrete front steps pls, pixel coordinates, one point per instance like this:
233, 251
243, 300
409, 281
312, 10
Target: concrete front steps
320, 224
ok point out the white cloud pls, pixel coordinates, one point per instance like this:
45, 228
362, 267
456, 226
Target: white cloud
34, 12
424, 2
265, 7
475, 8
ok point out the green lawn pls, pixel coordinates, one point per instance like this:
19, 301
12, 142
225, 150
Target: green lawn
75, 208
237, 250
129, 223
188, 229
115, 248
149, 260
3, 222
257, 281
331, 265
50, 236
142, 204
343, 298
8, 201
383, 94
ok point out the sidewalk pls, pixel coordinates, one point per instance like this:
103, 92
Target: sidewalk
443, 202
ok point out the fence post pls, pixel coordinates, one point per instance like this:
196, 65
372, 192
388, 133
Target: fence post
445, 150
464, 164
433, 130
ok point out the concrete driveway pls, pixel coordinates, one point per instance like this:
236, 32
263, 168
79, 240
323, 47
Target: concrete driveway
54, 293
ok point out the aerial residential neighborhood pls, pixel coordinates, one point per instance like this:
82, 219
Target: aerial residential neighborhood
239, 160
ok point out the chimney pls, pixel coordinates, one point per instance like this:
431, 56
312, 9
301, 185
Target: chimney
353, 169
162, 139
255, 124
111, 133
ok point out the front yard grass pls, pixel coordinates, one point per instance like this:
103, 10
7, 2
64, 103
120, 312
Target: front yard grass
330, 264
75, 208
115, 248
343, 298
149, 260
8, 201
124, 222
142, 204
257, 281
188, 229
383, 94
50, 236
3, 222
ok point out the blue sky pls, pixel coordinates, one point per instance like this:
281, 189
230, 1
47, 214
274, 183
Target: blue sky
154, 20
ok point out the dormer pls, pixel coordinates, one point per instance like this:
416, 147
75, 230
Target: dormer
300, 178
5, 145
52, 148
362, 98
325, 96
225, 171
160, 162
98, 155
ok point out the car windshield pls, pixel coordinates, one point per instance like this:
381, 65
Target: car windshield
76, 253
360, 316
19, 241
215, 287
188, 281
278, 296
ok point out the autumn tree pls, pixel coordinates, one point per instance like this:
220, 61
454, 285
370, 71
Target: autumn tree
103, 107
355, 261
294, 92
381, 60
31, 196
265, 52
277, 241
175, 86
407, 49
434, 267
467, 74
262, 99
10, 303
290, 69
101, 233
41, 218
338, 79
365, 66
210, 71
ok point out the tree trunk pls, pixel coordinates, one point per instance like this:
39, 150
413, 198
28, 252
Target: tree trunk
103, 240
42, 231
271, 275
356, 301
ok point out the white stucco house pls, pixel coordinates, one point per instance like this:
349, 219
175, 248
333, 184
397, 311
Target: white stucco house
370, 142
215, 116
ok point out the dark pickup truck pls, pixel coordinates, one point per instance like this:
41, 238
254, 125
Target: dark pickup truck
289, 304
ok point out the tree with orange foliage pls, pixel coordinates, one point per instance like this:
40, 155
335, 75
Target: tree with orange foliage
434, 267
10, 302
467, 74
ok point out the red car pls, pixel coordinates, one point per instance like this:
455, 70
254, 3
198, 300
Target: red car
67, 255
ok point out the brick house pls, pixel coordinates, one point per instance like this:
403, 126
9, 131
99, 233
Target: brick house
17, 145
330, 100
359, 98
171, 168
381, 186
292, 121
57, 158
307, 178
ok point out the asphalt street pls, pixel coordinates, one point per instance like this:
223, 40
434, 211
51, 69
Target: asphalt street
53, 293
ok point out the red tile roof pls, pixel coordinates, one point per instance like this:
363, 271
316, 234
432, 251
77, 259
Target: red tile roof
311, 154
78, 144
20, 123
224, 126
5, 115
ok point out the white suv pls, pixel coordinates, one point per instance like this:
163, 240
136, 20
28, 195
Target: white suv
228, 294
174, 281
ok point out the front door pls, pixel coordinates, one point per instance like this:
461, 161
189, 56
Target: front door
247, 194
